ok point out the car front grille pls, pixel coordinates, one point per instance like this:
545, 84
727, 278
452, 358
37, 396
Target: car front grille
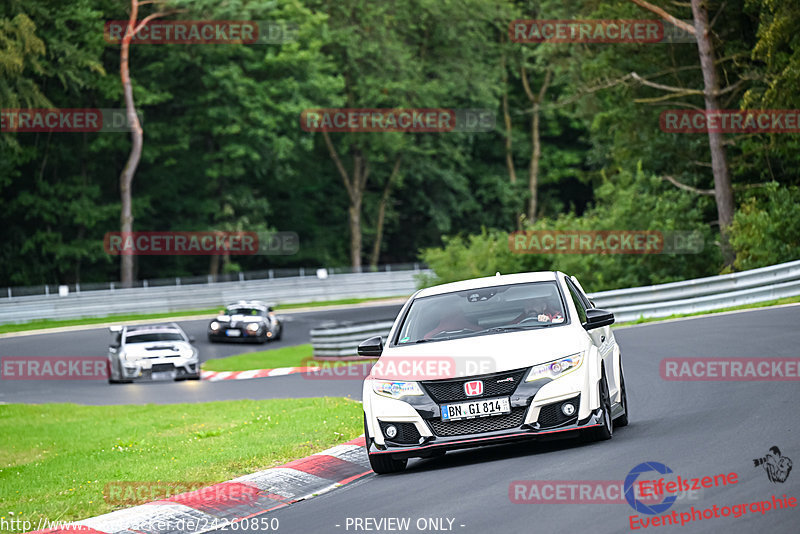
479, 424
494, 385
551, 414
162, 367
406, 432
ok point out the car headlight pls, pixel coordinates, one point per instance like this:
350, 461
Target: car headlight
214, 326
252, 327
556, 368
395, 389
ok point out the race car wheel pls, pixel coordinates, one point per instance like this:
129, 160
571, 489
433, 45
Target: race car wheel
606, 428
622, 420
277, 336
382, 464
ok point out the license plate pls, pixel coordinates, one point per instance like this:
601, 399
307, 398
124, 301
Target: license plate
163, 375
233, 333
478, 408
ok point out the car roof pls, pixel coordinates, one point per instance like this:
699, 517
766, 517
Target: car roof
489, 281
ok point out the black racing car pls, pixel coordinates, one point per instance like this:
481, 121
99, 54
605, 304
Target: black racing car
246, 321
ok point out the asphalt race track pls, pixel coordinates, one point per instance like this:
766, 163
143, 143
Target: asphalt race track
94, 342
696, 428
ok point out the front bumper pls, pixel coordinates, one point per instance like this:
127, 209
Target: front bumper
536, 413
244, 334
159, 370
434, 444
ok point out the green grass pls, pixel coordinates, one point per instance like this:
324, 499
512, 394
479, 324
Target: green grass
56, 323
53, 323
55, 459
776, 302
296, 356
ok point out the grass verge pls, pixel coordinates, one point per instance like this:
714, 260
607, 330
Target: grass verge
57, 323
57, 458
295, 356
776, 302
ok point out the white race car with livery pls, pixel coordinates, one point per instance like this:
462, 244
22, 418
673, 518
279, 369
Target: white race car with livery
492, 360
151, 352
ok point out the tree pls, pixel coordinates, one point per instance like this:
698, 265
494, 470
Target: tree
137, 134
723, 191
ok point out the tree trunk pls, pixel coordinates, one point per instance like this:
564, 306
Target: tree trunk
536, 145
126, 178
355, 187
512, 174
376, 248
723, 192
533, 175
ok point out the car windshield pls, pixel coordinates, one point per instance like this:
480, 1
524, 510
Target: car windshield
153, 336
483, 311
243, 311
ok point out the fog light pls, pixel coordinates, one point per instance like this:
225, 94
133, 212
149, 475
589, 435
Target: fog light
391, 431
568, 409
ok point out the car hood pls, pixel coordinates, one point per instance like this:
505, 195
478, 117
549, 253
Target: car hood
159, 349
482, 354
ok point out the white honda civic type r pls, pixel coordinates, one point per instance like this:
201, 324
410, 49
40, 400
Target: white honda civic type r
491, 360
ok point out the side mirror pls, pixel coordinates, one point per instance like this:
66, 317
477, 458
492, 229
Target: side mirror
191, 339
270, 309
372, 348
595, 318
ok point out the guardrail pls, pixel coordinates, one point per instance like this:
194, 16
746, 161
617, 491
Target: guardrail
343, 339
702, 294
663, 300
201, 296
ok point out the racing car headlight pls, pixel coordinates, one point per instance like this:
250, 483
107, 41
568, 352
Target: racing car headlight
214, 326
394, 389
556, 368
252, 327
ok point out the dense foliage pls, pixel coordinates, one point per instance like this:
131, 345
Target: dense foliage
223, 148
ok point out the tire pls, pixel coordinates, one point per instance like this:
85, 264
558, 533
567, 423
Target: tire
622, 420
382, 464
606, 429
278, 335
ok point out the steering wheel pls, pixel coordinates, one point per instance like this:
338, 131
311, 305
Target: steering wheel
530, 319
